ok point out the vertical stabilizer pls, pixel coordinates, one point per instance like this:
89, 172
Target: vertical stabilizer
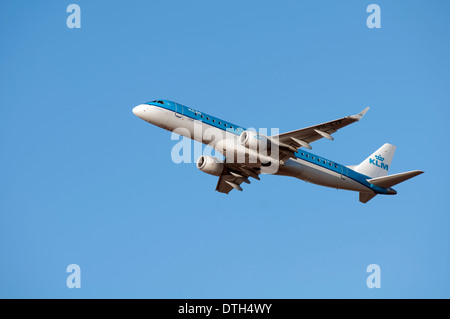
377, 164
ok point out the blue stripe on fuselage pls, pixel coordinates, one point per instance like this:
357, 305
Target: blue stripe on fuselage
237, 130
200, 116
340, 169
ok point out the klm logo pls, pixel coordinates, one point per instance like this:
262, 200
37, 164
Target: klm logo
378, 161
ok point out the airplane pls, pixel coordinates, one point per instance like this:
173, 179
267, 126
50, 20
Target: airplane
281, 154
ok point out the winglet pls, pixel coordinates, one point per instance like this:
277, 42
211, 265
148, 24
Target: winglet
361, 114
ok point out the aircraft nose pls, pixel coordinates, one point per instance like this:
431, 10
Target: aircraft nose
139, 110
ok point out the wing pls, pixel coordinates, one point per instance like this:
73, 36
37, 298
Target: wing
236, 174
292, 141
233, 176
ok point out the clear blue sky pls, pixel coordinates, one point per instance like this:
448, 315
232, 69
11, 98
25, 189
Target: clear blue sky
84, 181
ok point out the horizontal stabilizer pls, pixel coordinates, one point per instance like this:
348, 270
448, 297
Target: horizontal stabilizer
365, 197
391, 180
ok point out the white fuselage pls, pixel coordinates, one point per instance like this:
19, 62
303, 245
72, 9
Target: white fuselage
313, 169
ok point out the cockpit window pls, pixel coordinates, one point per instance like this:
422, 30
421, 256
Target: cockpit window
160, 102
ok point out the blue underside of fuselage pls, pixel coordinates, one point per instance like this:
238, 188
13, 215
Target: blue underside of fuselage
237, 130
